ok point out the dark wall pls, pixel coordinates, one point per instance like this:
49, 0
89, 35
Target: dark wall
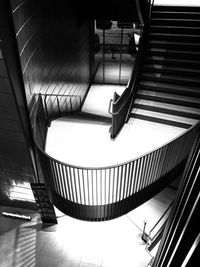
16, 166
54, 48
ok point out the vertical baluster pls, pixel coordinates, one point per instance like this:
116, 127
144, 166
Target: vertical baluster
129, 179
163, 154
88, 188
80, 188
57, 184
105, 191
153, 166
60, 178
143, 174
121, 182
146, 173
157, 164
71, 184
62, 192
92, 185
53, 175
58, 105
117, 186
136, 181
124, 181
65, 181
101, 192
109, 185
70, 101
84, 192
45, 105
140, 161
132, 177
97, 188
75, 184
68, 183
114, 185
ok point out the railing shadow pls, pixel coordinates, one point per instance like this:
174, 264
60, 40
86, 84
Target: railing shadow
24, 253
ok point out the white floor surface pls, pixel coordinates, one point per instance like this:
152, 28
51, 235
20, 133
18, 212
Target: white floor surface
87, 144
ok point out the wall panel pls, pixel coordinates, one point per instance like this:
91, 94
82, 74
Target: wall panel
15, 165
54, 48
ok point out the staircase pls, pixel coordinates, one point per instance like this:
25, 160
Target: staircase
168, 91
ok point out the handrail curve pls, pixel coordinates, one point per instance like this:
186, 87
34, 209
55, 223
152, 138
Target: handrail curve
123, 104
102, 193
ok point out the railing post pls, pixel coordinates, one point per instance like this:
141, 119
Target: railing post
45, 104
144, 235
58, 106
142, 238
70, 101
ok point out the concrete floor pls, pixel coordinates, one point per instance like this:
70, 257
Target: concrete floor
75, 243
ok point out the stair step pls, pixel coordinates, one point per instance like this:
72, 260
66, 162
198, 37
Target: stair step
163, 118
175, 37
175, 29
173, 70
169, 88
169, 78
173, 61
169, 98
175, 14
175, 53
177, 8
167, 108
176, 22
174, 45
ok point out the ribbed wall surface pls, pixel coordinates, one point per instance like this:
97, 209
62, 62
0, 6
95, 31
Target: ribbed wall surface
15, 171
53, 46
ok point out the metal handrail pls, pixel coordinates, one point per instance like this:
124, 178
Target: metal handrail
121, 113
163, 215
128, 161
84, 192
56, 104
139, 12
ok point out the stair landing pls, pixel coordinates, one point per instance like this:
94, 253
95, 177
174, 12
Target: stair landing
87, 143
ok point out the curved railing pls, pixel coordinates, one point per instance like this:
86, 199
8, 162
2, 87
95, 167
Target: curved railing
108, 192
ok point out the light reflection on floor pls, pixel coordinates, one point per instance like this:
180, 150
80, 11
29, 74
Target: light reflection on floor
75, 243
88, 144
